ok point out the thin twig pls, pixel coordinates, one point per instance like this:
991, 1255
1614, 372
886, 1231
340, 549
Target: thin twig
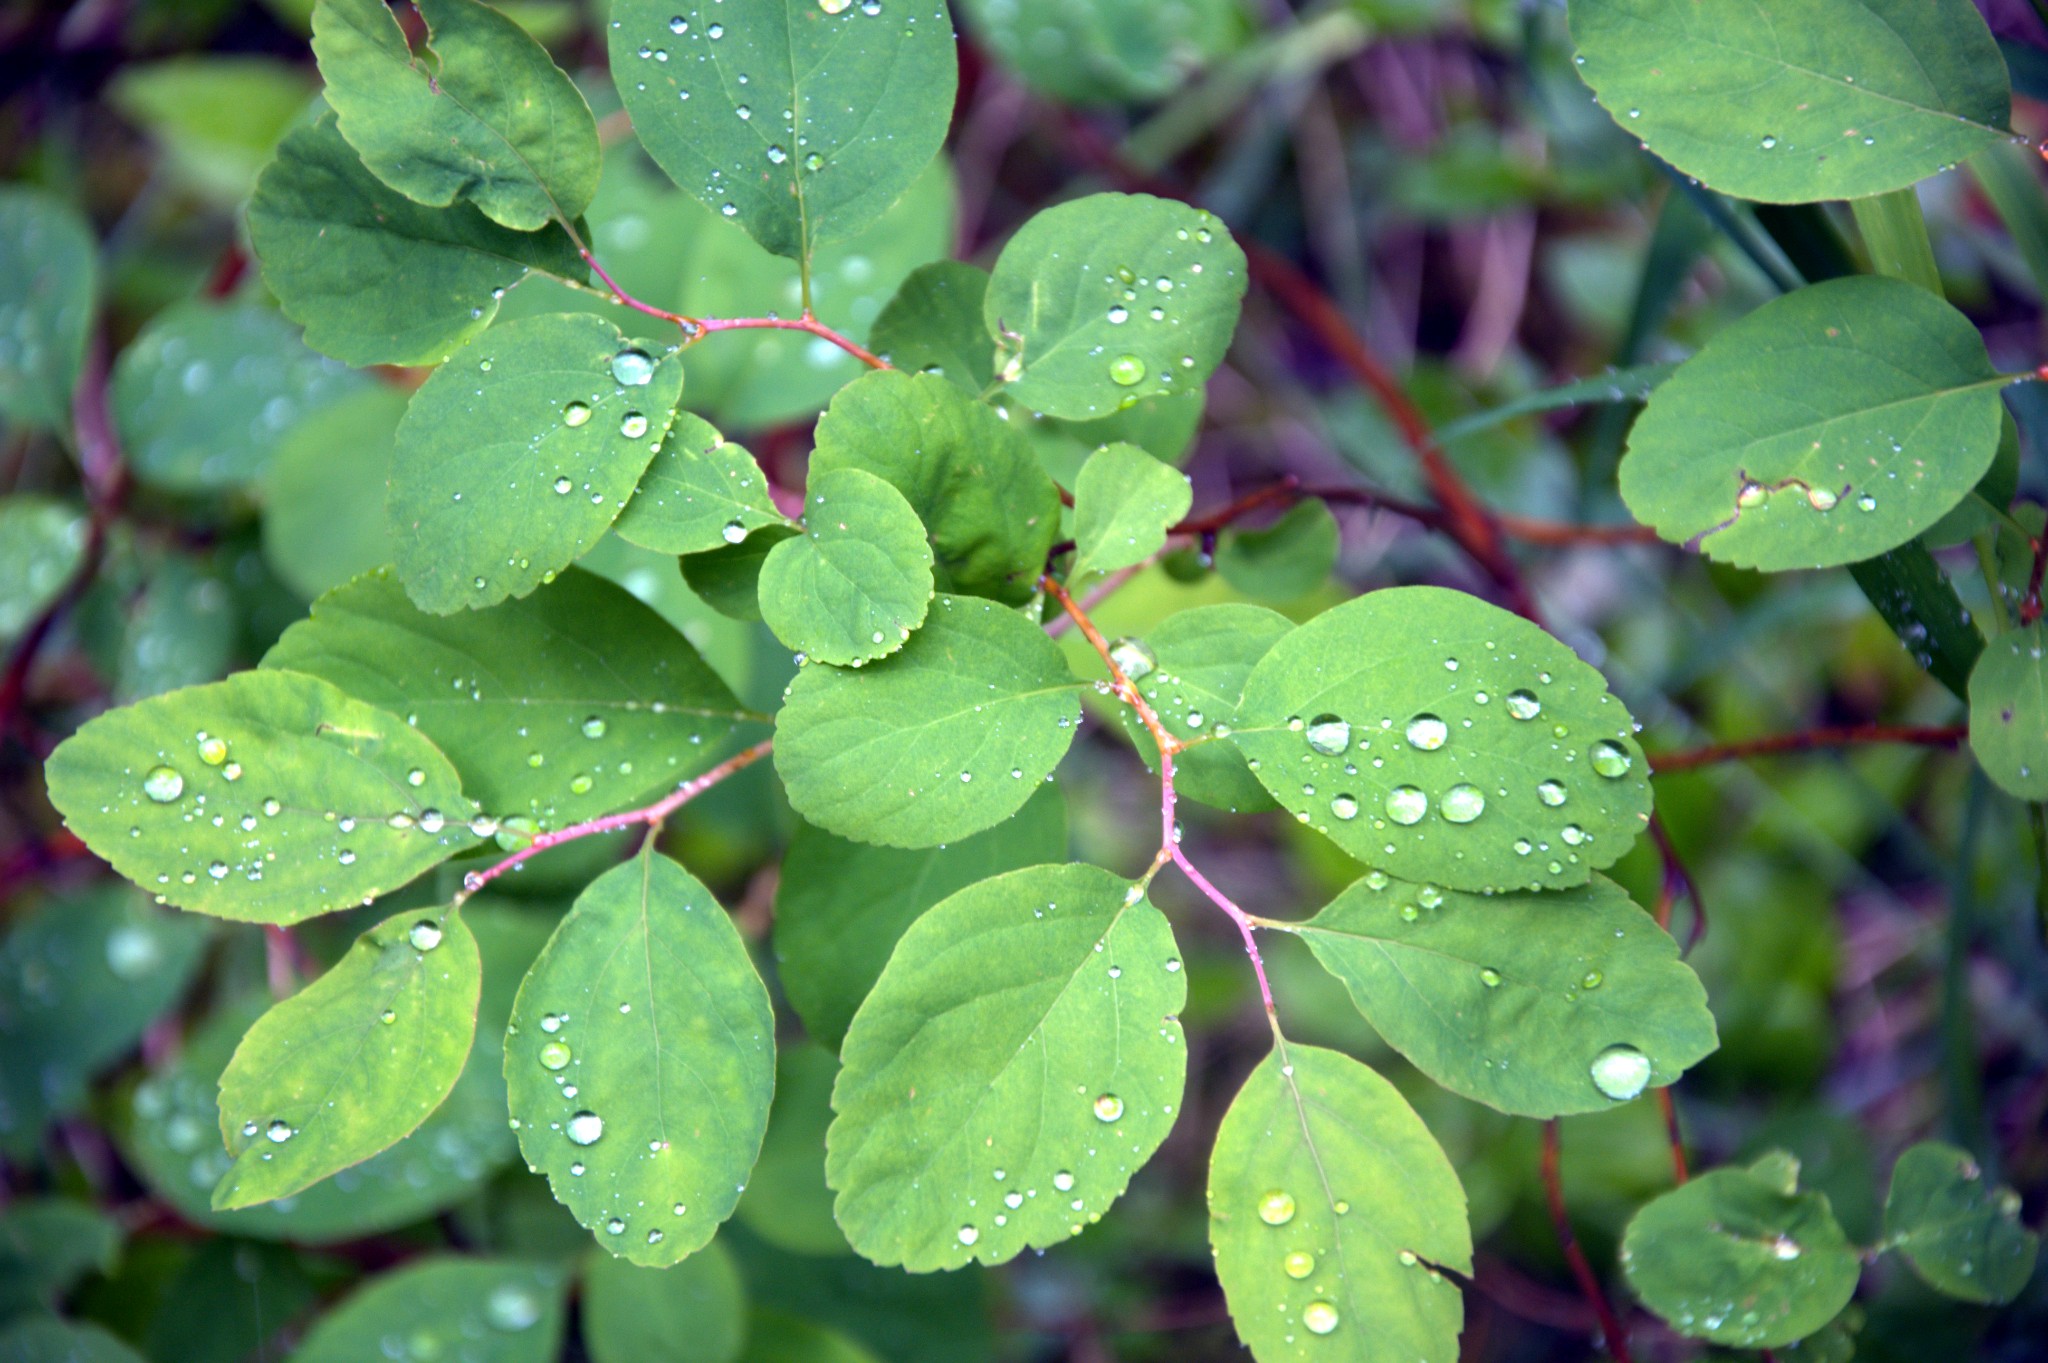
696, 328
1810, 740
1589, 1285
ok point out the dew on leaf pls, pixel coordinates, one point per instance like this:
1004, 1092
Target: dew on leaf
1427, 732
424, 935
1127, 370
1344, 807
1621, 1072
633, 368
734, 532
163, 784
585, 1128
967, 1235
1610, 759
278, 1132
1463, 803
1489, 977
1133, 657
1108, 1108
1821, 499
575, 414
1551, 793
1328, 735
512, 1308
1523, 704
1299, 1264
593, 727
1277, 1207
554, 1055
1320, 1317
551, 1023
1406, 805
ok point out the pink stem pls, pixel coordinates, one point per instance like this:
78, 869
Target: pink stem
1171, 847
694, 327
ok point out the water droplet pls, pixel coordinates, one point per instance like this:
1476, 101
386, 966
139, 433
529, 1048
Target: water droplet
1344, 807
1127, 370
1328, 735
1551, 793
1821, 499
1320, 1317
212, 751
633, 425
1593, 979
734, 532
1620, 1072
1610, 759
585, 1128
815, 161
1786, 1248
632, 368
1276, 1208
1119, 315
968, 1235
1768, 142
1523, 704
1108, 1108
1463, 803
576, 413
679, 26
278, 1132
424, 935
512, 1308
777, 154
615, 1226
1572, 834
1063, 1181
746, 114
1406, 805
163, 784
1133, 657
551, 1023
415, 778
1866, 503
218, 870
1427, 732
272, 808
1299, 1264
554, 1055
594, 727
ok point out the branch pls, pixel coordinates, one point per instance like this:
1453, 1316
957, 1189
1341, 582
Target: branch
1589, 1285
695, 329
1810, 740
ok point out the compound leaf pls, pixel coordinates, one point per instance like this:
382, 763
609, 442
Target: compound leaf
1329, 1199
1538, 1004
1112, 298
2009, 711
936, 742
485, 115
268, 797
1191, 669
1742, 1257
1869, 409
991, 511
42, 542
1443, 739
205, 394
354, 1062
641, 1060
1020, 1057
803, 121
858, 580
374, 277
841, 906
1802, 100
1958, 1232
49, 272
482, 1310
692, 1312
702, 492
1124, 503
514, 459
573, 702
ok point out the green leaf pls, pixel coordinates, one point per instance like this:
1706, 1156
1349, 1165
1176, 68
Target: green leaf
49, 1340
574, 702
2009, 711
702, 492
1915, 597
354, 1062
268, 797
1191, 669
218, 118
183, 628
933, 326
47, 1246
841, 906
692, 1312
515, 457
991, 511
787, 1202
374, 277
229, 1301
1869, 408
773, 1337
80, 982
1124, 503
1538, 1004
206, 392
1285, 561
1019, 1059
729, 579
1810, 100
1741, 1257
1631, 385
853, 586
1960, 1234
802, 125
1443, 739
1100, 51
323, 522
1330, 1200
42, 542
1111, 298
947, 737
640, 1062
49, 273
484, 115
482, 1310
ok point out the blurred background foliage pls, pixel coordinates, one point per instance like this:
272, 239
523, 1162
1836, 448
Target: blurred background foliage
1869, 942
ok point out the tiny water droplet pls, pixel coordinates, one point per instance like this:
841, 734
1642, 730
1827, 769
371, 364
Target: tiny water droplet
1299, 1264
278, 1132
212, 751
1489, 977
594, 727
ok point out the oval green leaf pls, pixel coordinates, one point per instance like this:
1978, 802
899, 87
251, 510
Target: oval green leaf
354, 1062
42, 542
1958, 1231
943, 739
1809, 100
1124, 503
692, 1312
1102, 51
1019, 1059
268, 797
1538, 1004
702, 492
49, 273
1113, 298
1443, 739
801, 121
516, 456
1286, 560
2009, 711
319, 527
45, 1339
641, 1060
1191, 669
1330, 1200
480, 1310
1868, 409
933, 326
853, 586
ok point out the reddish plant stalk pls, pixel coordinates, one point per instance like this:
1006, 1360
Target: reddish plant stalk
1809, 740
695, 328
1589, 1285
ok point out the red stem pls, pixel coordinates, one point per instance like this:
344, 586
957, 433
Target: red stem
1589, 1285
1809, 740
2030, 604
694, 328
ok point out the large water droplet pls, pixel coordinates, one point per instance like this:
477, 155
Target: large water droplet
967, 1235
632, 368
1127, 370
1344, 807
1299, 1264
1108, 1108
633, 425
1328, 735
594, 727
1133, 657
278, 1132
1406, 805
1551, 793
554, 1055
1523, 704
1277, 1207
1427, 732
1063, 1181
585, 1128
424, 935
1489, 977
576, 413
734, 532
1320, 1317
1610, 759
163, 784
1463, 804
1620, 1072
